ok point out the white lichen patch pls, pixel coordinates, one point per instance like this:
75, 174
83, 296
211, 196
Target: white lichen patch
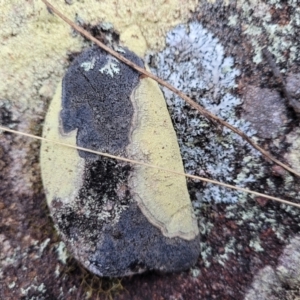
194, 62
88, 65
111, 67
62, 252
195, 272
57, 270
12, 285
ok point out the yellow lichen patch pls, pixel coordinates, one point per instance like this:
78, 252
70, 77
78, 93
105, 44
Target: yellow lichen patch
34, 42
162, 196
133, 38
62, 167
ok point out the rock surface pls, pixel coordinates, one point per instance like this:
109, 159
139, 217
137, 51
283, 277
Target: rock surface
238, 239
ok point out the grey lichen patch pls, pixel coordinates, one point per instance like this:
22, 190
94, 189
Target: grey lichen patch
100, 205
265, 110
10, 257
194, 62
256, 245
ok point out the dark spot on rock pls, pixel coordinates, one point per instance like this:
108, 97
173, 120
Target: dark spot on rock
98, 103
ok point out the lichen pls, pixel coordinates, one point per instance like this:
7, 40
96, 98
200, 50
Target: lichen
280, 35
62, 252
111, 66
229, 248
89, 65
25, 64
194, 62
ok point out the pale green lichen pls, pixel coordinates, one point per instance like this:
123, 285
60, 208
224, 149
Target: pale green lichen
255, 243
229, 248
280, 36
233, 20
40, 289
62, 252
206, 253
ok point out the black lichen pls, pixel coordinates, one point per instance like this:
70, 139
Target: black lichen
98, 103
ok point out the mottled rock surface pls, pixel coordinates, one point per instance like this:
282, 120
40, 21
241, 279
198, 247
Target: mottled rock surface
238, 240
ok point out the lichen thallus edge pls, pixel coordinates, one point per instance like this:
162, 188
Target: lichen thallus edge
196, 106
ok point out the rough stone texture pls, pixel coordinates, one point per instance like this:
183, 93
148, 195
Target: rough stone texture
265, 110
288, 268
292, 155
281, 282
293, 87
266, 285
238, 240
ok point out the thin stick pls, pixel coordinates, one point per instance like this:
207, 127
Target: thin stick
195, 105
151, 166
